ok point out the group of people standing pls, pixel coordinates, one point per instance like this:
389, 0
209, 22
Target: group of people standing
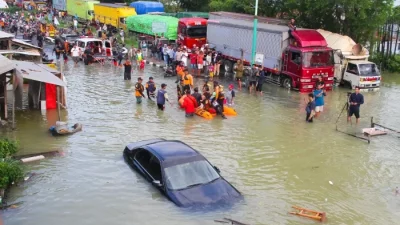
316, 102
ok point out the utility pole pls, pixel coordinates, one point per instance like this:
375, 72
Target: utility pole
254, 45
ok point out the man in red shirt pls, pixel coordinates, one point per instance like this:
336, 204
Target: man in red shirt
193, 61
189, 104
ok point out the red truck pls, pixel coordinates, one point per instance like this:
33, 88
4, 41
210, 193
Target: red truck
192, 31
293, 61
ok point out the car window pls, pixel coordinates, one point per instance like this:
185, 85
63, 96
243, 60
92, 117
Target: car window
352, 68
81, 44
188, 174
150, 163
107, 44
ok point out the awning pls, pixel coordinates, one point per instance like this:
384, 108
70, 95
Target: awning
31, 52
6, 65
33, 71
26, 44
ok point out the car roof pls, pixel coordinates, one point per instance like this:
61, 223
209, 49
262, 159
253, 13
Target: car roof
168, 150
88, 39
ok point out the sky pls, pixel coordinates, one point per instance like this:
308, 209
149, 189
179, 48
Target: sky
397, 2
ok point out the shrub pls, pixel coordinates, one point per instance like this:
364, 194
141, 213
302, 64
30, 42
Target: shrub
10, 169
7, 148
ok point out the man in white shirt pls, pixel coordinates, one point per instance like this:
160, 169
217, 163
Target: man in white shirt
76, 53
122, 34
184, 57
75, 24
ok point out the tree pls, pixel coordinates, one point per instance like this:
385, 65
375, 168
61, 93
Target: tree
362, 17
268, 8
194, 5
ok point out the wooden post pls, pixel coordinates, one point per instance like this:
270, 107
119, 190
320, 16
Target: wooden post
13, 100
5, 99
372, 122
9, 48
58, 103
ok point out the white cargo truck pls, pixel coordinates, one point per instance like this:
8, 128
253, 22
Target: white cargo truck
352, 67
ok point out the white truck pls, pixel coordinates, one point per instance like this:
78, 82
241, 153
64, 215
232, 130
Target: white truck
351, 63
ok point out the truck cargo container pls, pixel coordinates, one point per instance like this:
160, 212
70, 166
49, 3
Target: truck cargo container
293, 61
351, 63
241, 16
83, 9
145, 7
113, 14
143, 24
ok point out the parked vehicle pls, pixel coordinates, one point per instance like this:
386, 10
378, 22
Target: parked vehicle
143, 24
192, 31
60, 5
180, 173
145, 7
351, 63
113, 14
83, 9
293, 61
99, 46
204, 15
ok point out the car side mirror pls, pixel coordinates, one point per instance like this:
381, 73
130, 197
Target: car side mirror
157, 183
217, 169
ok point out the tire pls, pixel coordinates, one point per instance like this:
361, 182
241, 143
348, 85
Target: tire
228, 66
287, 82
234, 68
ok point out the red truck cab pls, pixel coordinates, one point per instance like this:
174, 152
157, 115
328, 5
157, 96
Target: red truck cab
192, 31
307, 57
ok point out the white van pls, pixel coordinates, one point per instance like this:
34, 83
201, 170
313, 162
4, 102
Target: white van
363, 74
99, 46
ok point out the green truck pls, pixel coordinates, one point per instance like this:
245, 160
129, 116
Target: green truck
154, 25
83, 9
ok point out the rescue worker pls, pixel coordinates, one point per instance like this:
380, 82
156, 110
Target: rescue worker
189, 104
151, 88
139, 89
218, 99
187, 80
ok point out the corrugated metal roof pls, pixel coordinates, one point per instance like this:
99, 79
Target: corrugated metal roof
21, 42
6, 35
33, 71
5, 65
249, 25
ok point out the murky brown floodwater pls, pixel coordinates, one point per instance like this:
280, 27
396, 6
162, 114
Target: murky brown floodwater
268, 152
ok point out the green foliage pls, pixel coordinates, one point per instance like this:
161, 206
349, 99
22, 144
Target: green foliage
195, 5
11, 9
10, 171
7, 148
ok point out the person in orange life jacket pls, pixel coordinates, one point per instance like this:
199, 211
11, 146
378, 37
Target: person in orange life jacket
139, 91
179, 72
162, 97
187, 80
189, 104
151, 88
218, 98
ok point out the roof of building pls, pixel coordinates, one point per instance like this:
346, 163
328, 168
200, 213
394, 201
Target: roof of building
32, 71
26, 44
6, 35
166, 150
6, 65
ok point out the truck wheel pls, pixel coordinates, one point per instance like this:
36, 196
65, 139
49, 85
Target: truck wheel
234, 68
228, 66
287, 83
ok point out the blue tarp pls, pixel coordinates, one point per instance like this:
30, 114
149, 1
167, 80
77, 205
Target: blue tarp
144, 7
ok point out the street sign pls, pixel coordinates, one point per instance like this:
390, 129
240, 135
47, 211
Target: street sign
159, 27
259, 59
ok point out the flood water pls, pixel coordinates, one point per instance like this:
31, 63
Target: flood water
267, 152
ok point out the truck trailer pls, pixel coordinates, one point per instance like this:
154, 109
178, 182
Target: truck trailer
291, 60
83, 9
352, 67
113, 14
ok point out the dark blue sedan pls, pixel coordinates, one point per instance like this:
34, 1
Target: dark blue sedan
180, 172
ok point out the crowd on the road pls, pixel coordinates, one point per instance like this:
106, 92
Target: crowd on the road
179, 60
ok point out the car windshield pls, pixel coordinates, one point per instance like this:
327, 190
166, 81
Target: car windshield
122, 20
368, 70
186, 175
200, 31
317, 59
91, 12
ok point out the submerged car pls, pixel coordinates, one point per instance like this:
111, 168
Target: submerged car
180, 172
